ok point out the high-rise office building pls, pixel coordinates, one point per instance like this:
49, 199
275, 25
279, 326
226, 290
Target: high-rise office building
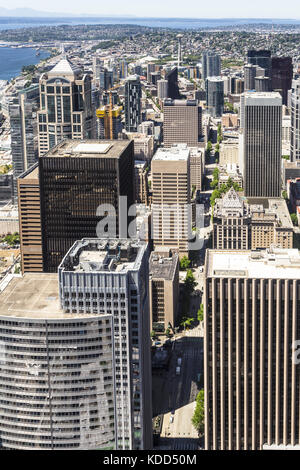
97, 67
150, 69
182, 122
155, 77
87, 385
123, 71
211, 65
262, 58
133, 106
261, 118
106, 79
109, 278
282, 76
30, 220
75, 179
295, 121
249, 75
171, 196
6, 188
141, 182
251, 382
61, 392
24, 144
171, 75
66, 110
262, 84
162, 89
215, 96
163, 289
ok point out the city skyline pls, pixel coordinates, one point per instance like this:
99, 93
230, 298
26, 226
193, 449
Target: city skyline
231, 10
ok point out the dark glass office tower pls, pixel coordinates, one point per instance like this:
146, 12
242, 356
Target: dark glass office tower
282, 76
215, 96
211, 65
172, 77
75, 179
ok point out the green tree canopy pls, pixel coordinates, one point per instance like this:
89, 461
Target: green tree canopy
294, 219
200, 314
189, 281
184, 263
198, 417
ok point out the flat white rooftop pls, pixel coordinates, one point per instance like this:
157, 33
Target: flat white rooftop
172, 154
264, 98
92, 148
270, 264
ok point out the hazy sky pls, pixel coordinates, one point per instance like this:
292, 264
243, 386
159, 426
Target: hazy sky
169, 8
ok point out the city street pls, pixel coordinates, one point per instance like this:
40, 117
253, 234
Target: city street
175, 395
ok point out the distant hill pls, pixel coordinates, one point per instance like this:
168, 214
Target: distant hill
30, 13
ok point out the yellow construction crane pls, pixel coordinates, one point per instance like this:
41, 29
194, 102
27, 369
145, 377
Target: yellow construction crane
107, 113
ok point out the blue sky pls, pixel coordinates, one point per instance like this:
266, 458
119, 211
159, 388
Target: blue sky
169, 8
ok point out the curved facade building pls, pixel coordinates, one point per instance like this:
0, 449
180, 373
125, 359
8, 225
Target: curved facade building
56, 377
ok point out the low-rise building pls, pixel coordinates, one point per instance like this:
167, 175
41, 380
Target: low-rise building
163, 288
239, 225
229, 152
141, 182
143, 145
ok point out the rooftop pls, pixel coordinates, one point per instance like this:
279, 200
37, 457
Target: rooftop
103, 255
179, 152
33, 296
276, 208
263, 99
161, 267
64, 67
274, 263
89, 149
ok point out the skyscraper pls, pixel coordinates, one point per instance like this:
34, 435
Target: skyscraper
211, 65
106, 79
182, 122
295, 121
282, 76
62, 391
171, 75
24, 146
250, 74
251, 382
262, 58
65, 106
133, 107
215, 96
76, 178
30, 220
87, 385
171, 196
262, 84
262, 127
109, 278
162, 89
